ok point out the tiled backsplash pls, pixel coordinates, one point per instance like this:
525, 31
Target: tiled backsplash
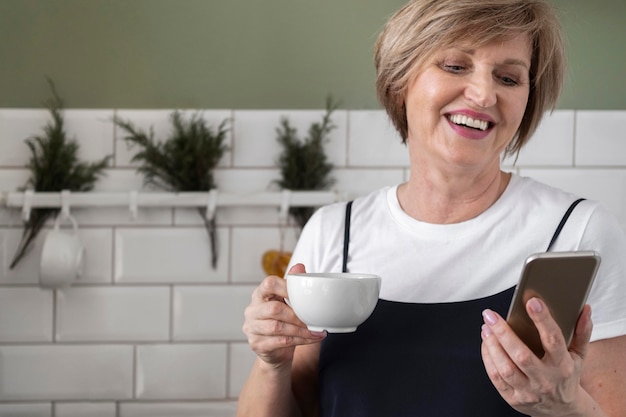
151, 329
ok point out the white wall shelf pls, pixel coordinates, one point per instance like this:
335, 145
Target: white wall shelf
134, 200
183, 199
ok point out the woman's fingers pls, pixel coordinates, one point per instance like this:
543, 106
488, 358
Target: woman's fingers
489, 349
271, 336
552, 337
271, 288
526, 382
272, 327
297, 269
268, 302
270, 318
508, 355
274, 287
550, 333
582, 334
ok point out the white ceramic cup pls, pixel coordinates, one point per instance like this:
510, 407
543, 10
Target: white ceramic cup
335, 302
62, 255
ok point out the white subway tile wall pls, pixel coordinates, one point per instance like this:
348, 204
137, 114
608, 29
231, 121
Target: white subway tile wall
80, 409
600, 140
66, 372
151, 328
181, 372
168, 255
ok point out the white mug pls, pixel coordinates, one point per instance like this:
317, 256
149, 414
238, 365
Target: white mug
62, 256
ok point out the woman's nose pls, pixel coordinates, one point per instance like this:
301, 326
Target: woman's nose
481, 90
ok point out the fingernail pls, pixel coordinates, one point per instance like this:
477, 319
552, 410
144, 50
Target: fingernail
318, 334
486, 330
534, 305
489, 317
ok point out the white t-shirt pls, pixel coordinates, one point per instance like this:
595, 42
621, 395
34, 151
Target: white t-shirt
434, 263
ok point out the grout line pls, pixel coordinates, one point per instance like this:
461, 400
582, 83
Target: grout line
232, 138
54, 316
574, 131
106, 343
346, 162
113, 256
228, 369
134, 373
114, 156
171, 324
229, 265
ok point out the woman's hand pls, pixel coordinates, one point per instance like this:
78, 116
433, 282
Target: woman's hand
272, 327
548, 386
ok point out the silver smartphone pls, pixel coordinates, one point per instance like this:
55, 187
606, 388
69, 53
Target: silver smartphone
563, 281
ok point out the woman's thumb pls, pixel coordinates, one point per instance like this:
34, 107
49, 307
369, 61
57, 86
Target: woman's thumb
297, 269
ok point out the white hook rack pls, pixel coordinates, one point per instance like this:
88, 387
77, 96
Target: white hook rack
285, 203
27, 204
132, 204
65, 204
211, 204
283, 200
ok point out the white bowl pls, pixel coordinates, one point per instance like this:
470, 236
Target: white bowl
335, 302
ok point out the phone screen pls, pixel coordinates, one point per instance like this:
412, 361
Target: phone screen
563, 281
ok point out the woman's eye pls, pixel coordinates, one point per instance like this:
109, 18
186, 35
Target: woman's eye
508, 81
453, 68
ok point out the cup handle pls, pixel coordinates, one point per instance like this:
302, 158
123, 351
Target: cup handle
57, 221
61, 216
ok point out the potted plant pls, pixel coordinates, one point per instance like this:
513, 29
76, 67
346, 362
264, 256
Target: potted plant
54, 166
184, 161
303, 163
304, 166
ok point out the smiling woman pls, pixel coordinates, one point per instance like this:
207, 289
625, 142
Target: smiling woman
449, 243
232, 54
456, 87
448, 25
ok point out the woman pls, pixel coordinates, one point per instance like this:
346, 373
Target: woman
464, 82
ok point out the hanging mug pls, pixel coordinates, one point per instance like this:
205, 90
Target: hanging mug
62, 255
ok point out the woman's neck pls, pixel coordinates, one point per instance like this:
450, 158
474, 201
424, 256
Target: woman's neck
440, 199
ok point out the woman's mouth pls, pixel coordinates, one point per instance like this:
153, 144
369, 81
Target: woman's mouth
470, 127
467, 121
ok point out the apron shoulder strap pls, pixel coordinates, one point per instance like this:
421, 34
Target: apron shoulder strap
346, 237
557, 232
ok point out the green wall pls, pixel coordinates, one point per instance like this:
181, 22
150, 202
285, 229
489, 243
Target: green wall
252, 54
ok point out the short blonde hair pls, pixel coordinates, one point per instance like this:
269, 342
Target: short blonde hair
423, 27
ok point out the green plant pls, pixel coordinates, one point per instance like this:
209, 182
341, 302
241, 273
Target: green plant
303, 162
184, 161
54, 166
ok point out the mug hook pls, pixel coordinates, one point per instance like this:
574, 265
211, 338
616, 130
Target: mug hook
211, 204
65, 204
26, 207
283, 215
132, 204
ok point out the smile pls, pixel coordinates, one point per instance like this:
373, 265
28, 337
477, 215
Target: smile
463, 120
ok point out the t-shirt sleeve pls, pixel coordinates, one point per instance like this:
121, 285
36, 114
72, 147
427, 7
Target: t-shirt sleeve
320, 245
607, 297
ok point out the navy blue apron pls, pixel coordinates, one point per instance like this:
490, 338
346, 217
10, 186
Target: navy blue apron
413, 359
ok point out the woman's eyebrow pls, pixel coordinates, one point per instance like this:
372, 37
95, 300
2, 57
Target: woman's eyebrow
513, 61
508, 61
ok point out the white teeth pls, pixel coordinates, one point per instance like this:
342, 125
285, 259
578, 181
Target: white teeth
460, 119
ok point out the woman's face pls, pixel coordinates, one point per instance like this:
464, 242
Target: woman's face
465, 105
